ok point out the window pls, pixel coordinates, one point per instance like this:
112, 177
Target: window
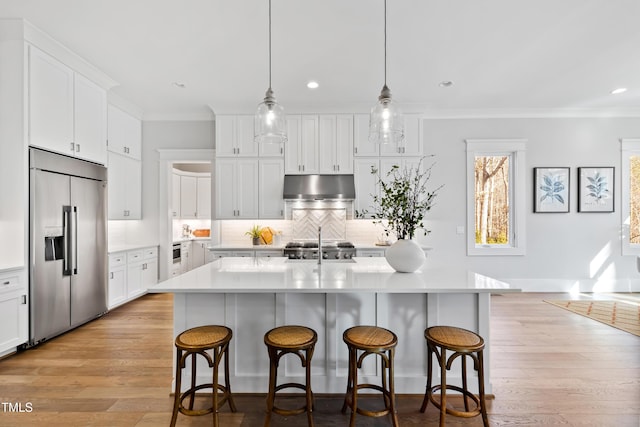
630, 196
495, 197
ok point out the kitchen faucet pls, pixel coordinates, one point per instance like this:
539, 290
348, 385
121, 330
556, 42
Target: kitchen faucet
319, 244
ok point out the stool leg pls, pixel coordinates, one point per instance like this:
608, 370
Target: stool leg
483, 407
309, 396
272, 385
193, 379
354, 387
216, 363
177, 393
347, 394
464, 382
427, 392
227, 382
443, 385
392, 395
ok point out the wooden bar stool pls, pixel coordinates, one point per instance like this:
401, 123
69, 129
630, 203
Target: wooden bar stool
196, 341
462, 343
298, 340
370, 340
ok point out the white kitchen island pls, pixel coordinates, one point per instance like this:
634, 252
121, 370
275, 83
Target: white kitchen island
253, 295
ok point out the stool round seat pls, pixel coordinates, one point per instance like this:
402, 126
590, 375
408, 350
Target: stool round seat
203, 337
291, 337
280, 341
199, 341
464, 344
368, 340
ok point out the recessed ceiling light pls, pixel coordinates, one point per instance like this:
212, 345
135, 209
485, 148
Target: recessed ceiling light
618, 90
313, 84
445, 83
180, 85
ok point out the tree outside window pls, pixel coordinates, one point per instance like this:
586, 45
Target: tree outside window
634, 200
492, 199
496, 196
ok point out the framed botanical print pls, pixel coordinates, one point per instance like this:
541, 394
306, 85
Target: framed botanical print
551, 189
596, 189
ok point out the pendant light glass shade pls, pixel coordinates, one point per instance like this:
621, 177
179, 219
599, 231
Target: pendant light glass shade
386, 124
270, 123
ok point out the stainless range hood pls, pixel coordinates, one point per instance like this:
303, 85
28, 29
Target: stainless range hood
319, 187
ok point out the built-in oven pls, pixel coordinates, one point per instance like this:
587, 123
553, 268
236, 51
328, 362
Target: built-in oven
176, 253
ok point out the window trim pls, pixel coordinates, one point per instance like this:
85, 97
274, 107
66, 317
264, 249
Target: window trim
516, 148
628, 147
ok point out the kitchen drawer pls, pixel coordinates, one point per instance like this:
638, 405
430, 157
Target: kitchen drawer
9, 283
134, 256
117, 259
268, 254
150, 253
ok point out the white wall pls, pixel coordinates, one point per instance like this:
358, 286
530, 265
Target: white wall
561, 248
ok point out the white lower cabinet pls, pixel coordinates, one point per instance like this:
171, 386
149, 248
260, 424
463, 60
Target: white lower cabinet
245, 253
131, 273
14, 311
199, 252
185, 257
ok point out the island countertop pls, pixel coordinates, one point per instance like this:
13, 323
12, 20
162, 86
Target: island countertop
255, 275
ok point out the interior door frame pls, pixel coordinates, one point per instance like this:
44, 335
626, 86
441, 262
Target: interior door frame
167, 157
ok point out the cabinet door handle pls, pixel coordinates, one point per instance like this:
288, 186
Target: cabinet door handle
24, 299
6, 282
77, 148
73, 146
281, 150
355, 150
111, 275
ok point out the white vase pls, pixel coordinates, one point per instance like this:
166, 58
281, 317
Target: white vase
405, 256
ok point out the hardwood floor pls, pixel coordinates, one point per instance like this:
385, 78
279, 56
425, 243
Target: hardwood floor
549, 367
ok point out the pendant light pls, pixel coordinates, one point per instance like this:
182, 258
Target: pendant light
386, 124
270, 125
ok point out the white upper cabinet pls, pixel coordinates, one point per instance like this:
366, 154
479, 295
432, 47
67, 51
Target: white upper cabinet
66, 110
412, 144
175, 195
188, 195
203, 197
319, 144
362, 147
50, 103
124, 176
90, 124
234, 136
124, 133
335, 146
271, 186
192, 195
236, 185
301, 150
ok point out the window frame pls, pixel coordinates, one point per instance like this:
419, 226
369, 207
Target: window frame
628, 147
516, 150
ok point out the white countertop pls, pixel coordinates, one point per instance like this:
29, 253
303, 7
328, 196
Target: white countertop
129, 247
240, 246
268, 275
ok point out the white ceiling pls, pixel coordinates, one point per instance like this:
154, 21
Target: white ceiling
511, 57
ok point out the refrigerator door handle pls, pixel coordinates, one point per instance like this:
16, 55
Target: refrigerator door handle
74, 249
66, 241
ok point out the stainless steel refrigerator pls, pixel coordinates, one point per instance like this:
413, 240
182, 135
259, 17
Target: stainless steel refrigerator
68, 255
